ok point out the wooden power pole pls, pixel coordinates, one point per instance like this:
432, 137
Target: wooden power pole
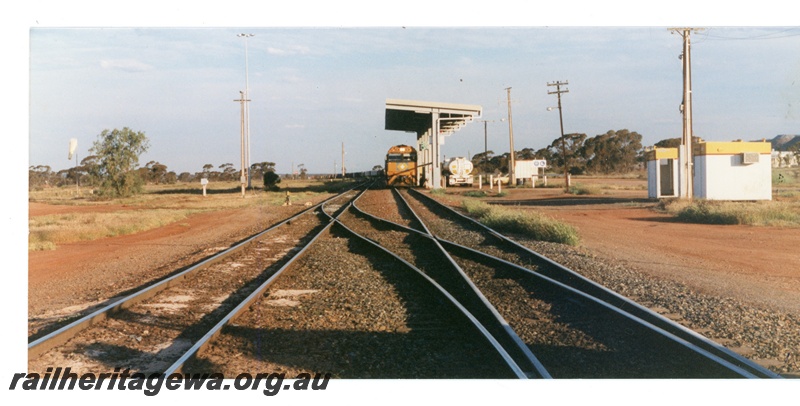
685, 157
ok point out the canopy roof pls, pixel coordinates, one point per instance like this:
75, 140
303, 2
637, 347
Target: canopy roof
415, 116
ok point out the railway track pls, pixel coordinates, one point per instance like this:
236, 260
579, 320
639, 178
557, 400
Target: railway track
385, 284
145, 329
577, 328
183, 323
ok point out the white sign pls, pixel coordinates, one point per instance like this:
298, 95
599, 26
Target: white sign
540, 163
204, 181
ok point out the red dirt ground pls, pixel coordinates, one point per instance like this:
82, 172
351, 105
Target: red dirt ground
761, 264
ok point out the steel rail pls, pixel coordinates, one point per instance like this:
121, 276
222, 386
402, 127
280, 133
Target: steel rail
245, 304
511, 339
65, 333
510, 362
573, 279
733, 367
538, 369
543, 280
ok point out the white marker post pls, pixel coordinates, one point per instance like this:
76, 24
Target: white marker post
499, 188
204, 182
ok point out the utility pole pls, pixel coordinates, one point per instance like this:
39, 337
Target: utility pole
343, 168
511, 178
561, 121
247, 110
685, 157
245, 170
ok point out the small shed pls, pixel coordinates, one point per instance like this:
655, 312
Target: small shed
662, 172
732, 170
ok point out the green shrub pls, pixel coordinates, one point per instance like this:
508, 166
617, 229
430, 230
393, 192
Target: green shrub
475, 193
579, 189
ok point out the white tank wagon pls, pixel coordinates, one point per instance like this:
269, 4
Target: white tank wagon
458, 171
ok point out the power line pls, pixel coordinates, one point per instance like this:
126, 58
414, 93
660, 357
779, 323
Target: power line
760, 37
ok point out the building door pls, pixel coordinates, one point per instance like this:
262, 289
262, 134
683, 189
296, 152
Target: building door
667, 177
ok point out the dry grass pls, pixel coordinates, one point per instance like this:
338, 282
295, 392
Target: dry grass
160, 205
761, 213
529, 223
47, 232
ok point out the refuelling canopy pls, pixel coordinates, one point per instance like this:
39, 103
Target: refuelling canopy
431, 122
417, 116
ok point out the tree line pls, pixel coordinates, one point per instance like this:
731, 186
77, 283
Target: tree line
613, 152
113, 168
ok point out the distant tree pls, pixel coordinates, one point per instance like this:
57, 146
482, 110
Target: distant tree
481, 162
303, 171
612, 152
170, 177
40, 176
155, 172
228, 172
271, 180
377, 168
668, 143
257, 170
526, 154
88, 168
673, 142
546, 154
185, 177
209, 173
575, 158
118, 156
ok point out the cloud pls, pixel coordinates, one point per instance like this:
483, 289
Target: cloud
290, 50
127, 65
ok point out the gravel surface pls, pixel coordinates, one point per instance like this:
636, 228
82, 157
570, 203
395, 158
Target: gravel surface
767, 335
341, 308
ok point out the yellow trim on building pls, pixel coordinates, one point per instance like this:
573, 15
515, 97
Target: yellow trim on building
661, 153
731, 148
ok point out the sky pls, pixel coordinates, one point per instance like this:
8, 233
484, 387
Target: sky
314, 88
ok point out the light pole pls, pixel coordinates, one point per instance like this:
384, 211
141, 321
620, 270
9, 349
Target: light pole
247, 111
561, 121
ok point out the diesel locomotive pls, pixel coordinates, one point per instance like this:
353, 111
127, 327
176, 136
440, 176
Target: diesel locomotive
401, 166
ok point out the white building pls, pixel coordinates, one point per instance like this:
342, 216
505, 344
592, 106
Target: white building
732, 170
662, 172
722, 171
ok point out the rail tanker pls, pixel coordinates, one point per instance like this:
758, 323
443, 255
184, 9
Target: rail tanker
401, 166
